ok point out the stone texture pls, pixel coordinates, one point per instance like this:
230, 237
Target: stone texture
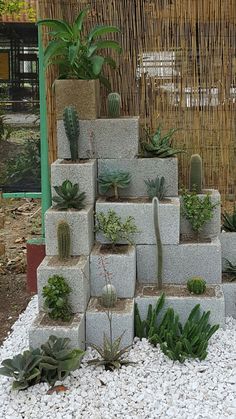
85, 174
229, 289
180, 262
116, 138
76, 276
84, 95
2, 220
121, 268
75, 331
142, 169
184, 305
228, 247
142, 212
97, 322
81, 227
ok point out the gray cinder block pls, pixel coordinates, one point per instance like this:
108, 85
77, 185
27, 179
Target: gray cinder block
142, 212
81, 227
183, 305
228, 247
122, 321
84, 173
181, 262
116, 138
76, 274
75, 331
142, 169
229, 289
120, 266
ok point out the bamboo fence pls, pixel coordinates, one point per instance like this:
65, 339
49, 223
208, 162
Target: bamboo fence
177, 68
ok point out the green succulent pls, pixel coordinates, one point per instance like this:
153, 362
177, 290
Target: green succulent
56, 294
156, 145
196, 285
156, 188
116, 180
229, 221
230, 269
69, 196
111, 226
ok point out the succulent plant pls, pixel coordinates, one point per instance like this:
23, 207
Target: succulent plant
56, 294
109, 296
156, 188
155, 145
230, 268
229, 221
64, 240
69, 196
115, 180
195, 176
159, 249
114, 105
71, 124
196, 285
112, 227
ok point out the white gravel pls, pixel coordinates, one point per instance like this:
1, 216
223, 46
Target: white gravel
155, 388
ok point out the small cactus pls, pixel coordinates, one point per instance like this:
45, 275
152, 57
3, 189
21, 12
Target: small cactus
195, 176
71, 124
196, 285
114, 105
109, 296
64, 240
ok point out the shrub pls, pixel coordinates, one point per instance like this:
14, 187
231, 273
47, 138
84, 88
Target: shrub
56, 298
111, 226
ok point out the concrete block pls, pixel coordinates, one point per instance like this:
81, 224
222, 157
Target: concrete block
76, 274
183, 304
142, 212
75, 331
142, 169
81, 227
84, 173
181, 262
212, 228
121, 267
228, 247
229, 289
122, 320
116, 138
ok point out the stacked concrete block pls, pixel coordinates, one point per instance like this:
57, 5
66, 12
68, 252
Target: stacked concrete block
228, 245
229, 289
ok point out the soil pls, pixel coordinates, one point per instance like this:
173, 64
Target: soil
121, 305
188, 239
69, 161
118, 249
47, 321
228, 277
72, 261
141, 199
173, 291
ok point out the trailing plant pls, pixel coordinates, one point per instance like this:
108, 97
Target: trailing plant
116, 180
109, 296
77, 53
159, 249
63, 240
230, 269
114, 105
69, 196
56, 294
111, 226
196, 285
229, 221
71, 124
156, 188
195, 175
156, 145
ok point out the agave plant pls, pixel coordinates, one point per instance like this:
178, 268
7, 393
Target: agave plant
156, 188
76, 53
229, 221
69, 196
116, 180
156, 145
230, 269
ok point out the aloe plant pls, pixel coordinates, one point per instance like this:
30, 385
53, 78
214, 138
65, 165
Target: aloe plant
156, 145
229, 221
69, 196
156, 188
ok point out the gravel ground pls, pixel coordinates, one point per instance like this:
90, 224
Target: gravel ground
155, 388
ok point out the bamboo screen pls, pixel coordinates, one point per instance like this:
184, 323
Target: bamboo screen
178, 68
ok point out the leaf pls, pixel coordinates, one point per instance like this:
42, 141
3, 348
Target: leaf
109, 44
54, 48
97, 63
59, 25
80, 18
102, 30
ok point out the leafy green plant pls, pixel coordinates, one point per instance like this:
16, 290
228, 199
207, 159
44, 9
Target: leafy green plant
196, 285
229, 221
17, 7
145, 328
156, 145
111, 226
77, 53
230, 269
71, 124
56, 294
159, 248
156, 188
63, 240
116, 180
69, 196
195, 175
114, 105
109, 296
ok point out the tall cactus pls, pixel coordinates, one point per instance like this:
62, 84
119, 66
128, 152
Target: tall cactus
71, 124
109, 296
64, 240
195, 176
114, 105
155, 203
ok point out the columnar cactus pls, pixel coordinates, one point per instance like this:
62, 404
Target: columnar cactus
64, 240
114, 105
71, 123
155, 203
195, 177
196, 285
109, 296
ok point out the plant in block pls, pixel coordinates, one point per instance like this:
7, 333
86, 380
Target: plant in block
56, 294
159, 249
112, 227
156, 188
229, 221
156, 145
231, 270
114, 180
114, 105
195, 175
64, 240
71, 124
196, 285
69, 196
109, 296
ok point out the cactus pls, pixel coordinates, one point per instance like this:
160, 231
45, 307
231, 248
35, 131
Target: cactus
196, 285
64, 240
158, 243
195, 176
109, 296
114, 105
71, 124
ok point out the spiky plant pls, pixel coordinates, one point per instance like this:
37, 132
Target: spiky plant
69, 196
71, 124
116, 180
156, 145
156, 188
114, 105
195, 175
196, 285
229, 221
230, 269
159, 249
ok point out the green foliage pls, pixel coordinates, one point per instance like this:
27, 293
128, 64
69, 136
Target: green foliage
77, 53
196, 285
71, 124
229, 221
17, 7
114, 105
69, 196
111, 226
156, 145
145, 328
156, 188
159, 249
195, 176
56, 294
109, 296
231, 269
64, 240
115, 180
